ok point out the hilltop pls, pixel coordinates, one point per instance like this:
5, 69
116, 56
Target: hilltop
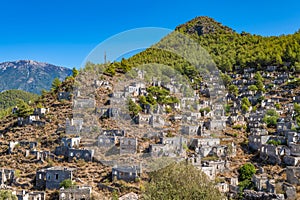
230, 49
30, 76
204, 25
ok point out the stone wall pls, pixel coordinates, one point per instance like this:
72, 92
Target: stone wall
293, 175
253, 195
77, 193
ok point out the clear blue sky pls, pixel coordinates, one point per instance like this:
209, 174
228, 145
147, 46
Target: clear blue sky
63, 32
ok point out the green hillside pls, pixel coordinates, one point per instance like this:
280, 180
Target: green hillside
10, 98
228, 49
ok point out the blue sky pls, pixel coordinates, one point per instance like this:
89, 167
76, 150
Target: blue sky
64, 32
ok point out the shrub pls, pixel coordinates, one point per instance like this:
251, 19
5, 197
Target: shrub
274, 142
174, 182
246, 171
67, 183
238, 126
7, 195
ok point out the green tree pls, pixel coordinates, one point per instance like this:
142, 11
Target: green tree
143, 100
260, 86
24, 109
245, 174
151, 99
75, 72
298, 120
125, 66
206, 110
246, 171
55, 84
297, 109
245, 104
246, 101
258, 76
115, 195
278, 106
180, 181
253, 88
271, 118
245, 108
259, 82
297, 67
233, 89
110, 70
133, 108
161, 94
226, 79
7, 195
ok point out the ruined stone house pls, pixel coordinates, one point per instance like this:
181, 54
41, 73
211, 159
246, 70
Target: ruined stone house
84, 154
168, 147
223, 187
84, 103
157, 121
7, 176
256, 141
264, 183
26, 144
273, 154
104, 141
218, 124
64, 96
39, 155
50, 178
128, 145
35, 195
190, 130
40, 111
209, 141
114, 132
69, 149
30, 120
129, 196
143, 119
290, 160
293, 175
74, 125
283, 126
76, 193
126, 173
71, 142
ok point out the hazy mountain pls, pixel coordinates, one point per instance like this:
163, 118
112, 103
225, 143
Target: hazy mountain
30, 76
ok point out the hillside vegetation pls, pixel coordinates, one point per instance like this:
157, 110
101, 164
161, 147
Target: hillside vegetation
10, 98
229, 50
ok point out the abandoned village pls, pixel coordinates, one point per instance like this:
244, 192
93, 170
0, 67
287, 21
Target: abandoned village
92, 141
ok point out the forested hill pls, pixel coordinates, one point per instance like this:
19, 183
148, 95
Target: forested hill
10, 98
229, 48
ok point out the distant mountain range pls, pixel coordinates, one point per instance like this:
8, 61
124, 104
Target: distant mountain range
30, 76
